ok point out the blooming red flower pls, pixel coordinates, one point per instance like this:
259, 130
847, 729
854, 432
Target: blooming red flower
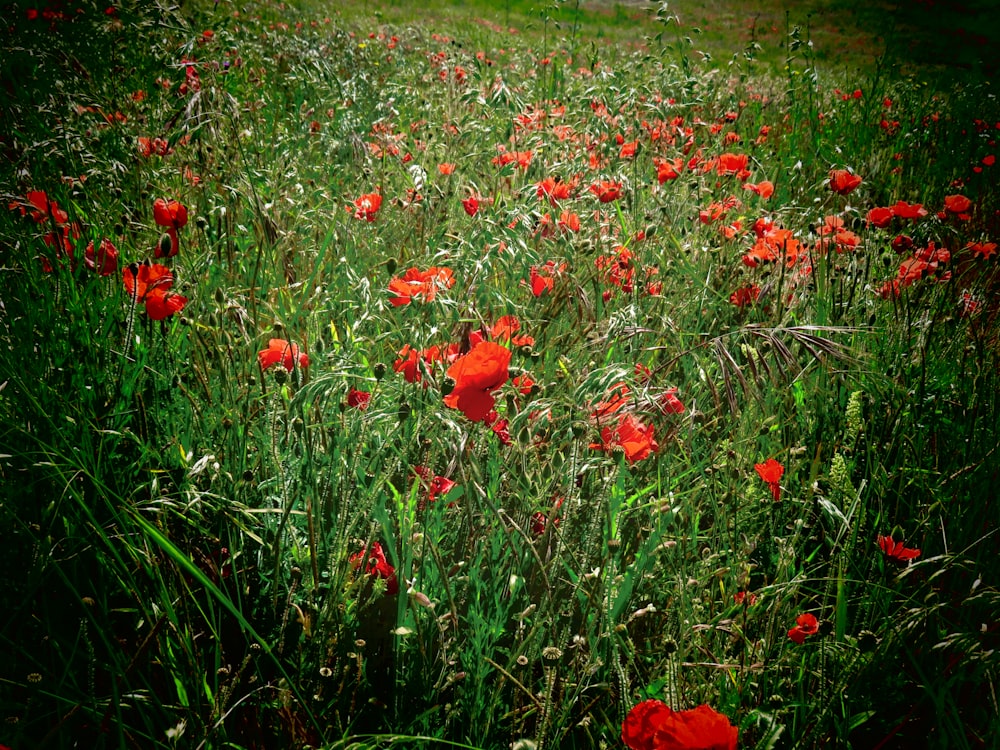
607, 191
745, 295
905, 210
668, 169
154, 146
280, 350
366, 206
169, 214
729, 164
805, 625
446, 168
417, 283
880, 217
41, 208
377, 566
982, 250
358, 399
653, 725
471, 205
770, 471
764, 188
895, 551
477, 375
669, 402
631, 436
554, 189
957, 204
843, 182
150, 285
411, 362
103, 260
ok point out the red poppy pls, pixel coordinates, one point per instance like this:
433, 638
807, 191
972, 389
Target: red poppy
957, 204
280, 350
477, 375
653, 725
41, 208
471, 205
630, 435
669, 402
377, 566
154, 146
103, 260
540, 521
436, 486
554, 189
169, 214
161, 304
607, 191
982, 250
667, 169
764, 188
417, 283
880, 217
628, 150
770, 471
729, 164
905, 210
358, 399
843, 182
805, 625
745, 295
895, 551
150, 284
168, 246
446, 168
366, 206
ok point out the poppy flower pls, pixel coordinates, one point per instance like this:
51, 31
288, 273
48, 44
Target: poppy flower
745, 296
169, 214
477, 375
843, 182
358, 399
895, 551
982, 250
607, 191
770, 471
417, 283
668, 169
631, 436
366, 206
41, 208
880, 217
471, 205
280, 350
540, 521
957, 204
729, 164
554, 189
669, 403
168, 246
446, 168
149, 283
904, 210
377, 566
805, 625
436, 486
653, 725
764, 188
103, 260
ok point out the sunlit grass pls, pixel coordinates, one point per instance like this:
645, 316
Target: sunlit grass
381, 381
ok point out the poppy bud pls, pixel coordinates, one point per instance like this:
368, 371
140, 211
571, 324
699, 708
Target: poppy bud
220, 296
447, 386
390, 266
404, 411
164, 246
280, 375
379, 370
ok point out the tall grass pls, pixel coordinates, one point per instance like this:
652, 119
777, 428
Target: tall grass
194, 532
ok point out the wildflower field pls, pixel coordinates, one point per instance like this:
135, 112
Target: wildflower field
522, 377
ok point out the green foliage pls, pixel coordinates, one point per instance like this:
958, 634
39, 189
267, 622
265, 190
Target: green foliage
199, 537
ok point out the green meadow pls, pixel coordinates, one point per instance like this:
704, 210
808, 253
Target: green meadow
499, 375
